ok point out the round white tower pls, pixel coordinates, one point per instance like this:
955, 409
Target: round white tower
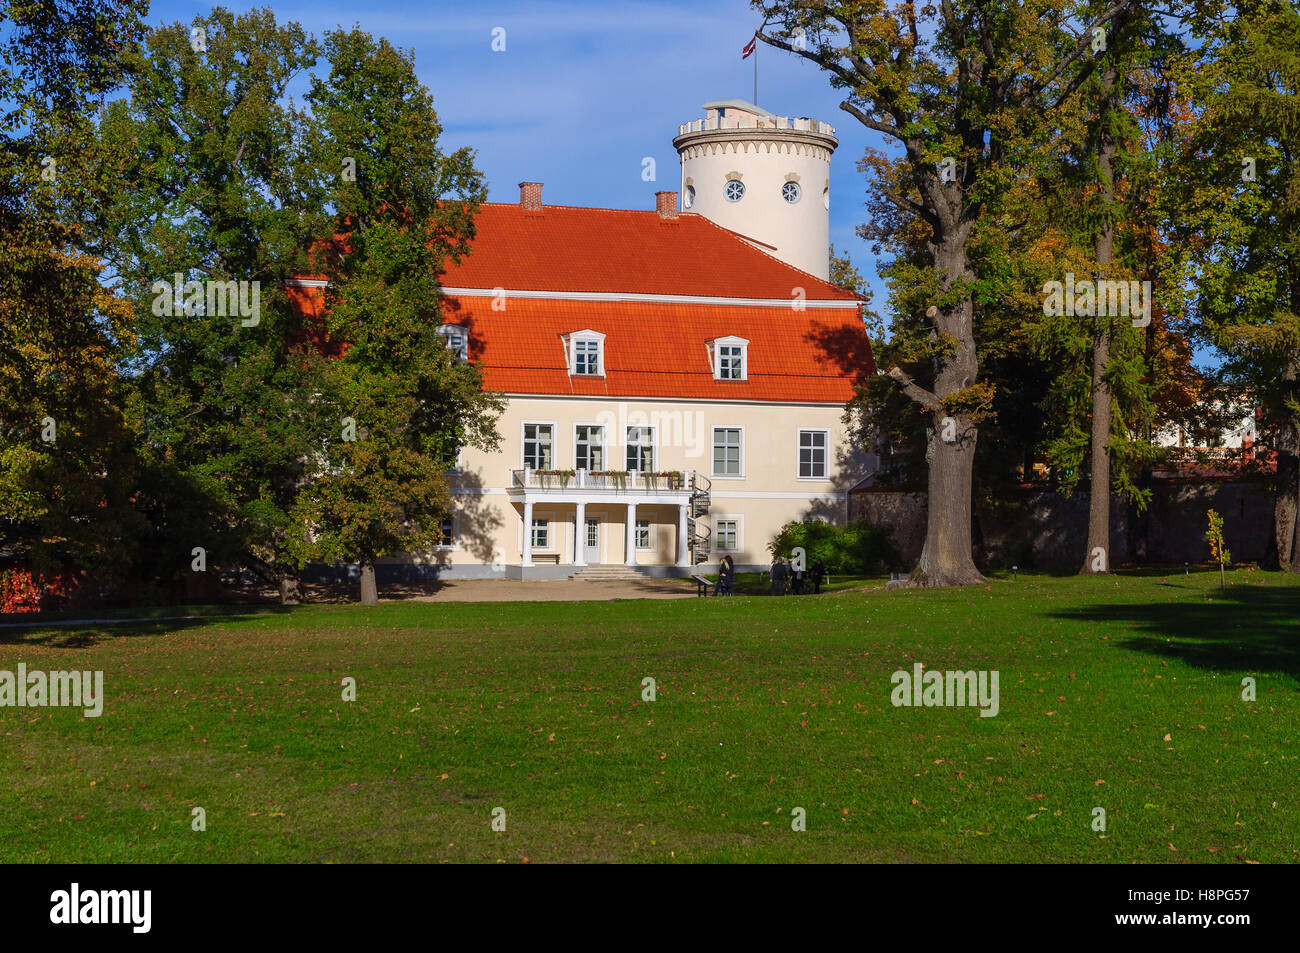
765, 177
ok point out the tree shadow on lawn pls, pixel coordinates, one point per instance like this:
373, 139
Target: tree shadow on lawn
82, 630
1240, 629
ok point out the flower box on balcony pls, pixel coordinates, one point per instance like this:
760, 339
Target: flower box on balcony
561, 476
617, 477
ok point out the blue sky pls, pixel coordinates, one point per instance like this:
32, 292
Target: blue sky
585, 90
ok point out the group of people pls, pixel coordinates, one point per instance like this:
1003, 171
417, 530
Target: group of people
784, 577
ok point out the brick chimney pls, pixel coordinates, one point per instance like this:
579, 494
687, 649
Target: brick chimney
666, 204
530, 196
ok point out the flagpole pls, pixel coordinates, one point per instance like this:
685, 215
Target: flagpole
755, 71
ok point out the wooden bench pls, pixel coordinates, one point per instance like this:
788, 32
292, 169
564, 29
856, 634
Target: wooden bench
546, 559
702, 584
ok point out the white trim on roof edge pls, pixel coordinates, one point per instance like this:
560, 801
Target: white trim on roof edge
837, 304
511, 395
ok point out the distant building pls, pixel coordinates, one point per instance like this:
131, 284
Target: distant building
1238, 433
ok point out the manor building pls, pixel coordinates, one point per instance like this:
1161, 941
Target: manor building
674, 388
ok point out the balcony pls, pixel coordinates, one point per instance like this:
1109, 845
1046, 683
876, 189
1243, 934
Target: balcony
590, 484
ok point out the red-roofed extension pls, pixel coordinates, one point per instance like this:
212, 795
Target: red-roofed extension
660, 286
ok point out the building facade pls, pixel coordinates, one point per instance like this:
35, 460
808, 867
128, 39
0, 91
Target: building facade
675, 390
674, 393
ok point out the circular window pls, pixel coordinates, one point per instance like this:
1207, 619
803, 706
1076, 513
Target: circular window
690, 196
735, 190
826, 198
790, 192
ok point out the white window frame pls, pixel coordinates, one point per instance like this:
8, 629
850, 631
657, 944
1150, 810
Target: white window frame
713, 474
571, 351
715, 357
654, 445
740, 532
458, 334
604, 445
649, 544
826, 450
454, 545
544, 524
555, 443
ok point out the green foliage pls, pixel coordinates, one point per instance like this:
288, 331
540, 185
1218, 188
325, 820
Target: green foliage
858, 548
67, 468
414, 403
1214, 535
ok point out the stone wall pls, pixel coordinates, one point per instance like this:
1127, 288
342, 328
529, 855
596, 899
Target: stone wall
1048, 531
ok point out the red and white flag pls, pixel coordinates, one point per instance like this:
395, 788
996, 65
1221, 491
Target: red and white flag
749, 47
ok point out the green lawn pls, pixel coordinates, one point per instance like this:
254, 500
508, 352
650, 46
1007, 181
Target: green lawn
1122, 693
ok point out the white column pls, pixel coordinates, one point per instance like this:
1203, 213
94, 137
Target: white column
631, 534
683, 550
580, 533
528, 534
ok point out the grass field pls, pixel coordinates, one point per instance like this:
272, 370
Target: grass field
1122, 693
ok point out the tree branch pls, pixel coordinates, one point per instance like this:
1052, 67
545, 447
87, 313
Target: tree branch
912, 389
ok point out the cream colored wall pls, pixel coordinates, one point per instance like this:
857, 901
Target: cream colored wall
768, 494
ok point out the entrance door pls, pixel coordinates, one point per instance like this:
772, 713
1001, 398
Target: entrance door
591, 540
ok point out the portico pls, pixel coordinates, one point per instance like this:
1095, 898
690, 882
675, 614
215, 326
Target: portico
579, 518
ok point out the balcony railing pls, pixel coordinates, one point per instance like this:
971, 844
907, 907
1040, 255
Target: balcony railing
672, 481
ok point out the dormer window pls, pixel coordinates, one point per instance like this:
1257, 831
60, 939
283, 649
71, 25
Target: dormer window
586, 353
456, 338
730, 359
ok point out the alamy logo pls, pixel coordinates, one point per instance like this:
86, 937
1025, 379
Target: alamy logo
26, 689
219, 299
103, 907
1101, 299
945, 689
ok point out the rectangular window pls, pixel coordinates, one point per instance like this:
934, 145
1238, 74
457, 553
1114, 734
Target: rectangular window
643, 535
640, 449
726, 535
589, 452
812, 454
457, 338
541, 534
447, 527
726, 451
538, 440
731, 362
586, 357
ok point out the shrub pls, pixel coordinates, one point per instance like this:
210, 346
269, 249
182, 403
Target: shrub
858, 548
21, 590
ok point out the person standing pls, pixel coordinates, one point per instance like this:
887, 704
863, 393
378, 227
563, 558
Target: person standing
726, 577
778, 576
818, 574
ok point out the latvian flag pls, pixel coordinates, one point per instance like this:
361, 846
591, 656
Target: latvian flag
749, 47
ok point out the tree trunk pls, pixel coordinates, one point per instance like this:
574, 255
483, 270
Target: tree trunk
290, 588
946, 559
1286, 505
1097, 557
369, 591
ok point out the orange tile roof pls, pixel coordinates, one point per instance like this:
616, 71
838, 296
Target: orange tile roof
565, 248
655, 349
652, 348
